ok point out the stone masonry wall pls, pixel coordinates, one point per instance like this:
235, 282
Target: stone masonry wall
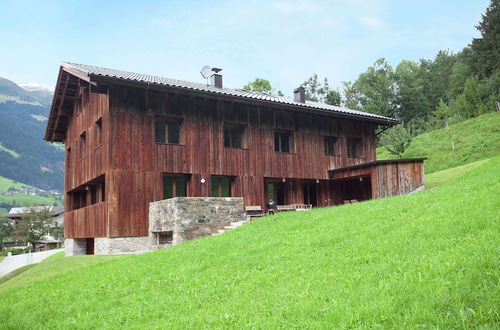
75, 247
192, 217
121, 245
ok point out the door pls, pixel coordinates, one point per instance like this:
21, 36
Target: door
310, 193
90, 246
276, 192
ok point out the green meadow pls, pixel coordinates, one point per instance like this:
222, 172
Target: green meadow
466, 142
426, 260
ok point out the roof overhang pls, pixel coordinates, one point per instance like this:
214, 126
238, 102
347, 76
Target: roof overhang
62, 103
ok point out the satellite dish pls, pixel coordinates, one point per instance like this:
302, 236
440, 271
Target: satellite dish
206, 72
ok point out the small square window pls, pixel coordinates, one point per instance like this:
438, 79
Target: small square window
354, 147
331, 145
233, 136
283, 141
168, 130
165, 237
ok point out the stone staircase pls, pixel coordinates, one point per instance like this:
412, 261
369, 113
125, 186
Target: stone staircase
233, 225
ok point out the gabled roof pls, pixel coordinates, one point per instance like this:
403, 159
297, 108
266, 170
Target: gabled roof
95, 73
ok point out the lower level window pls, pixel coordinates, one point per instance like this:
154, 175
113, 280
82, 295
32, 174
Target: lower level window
165, 237
174, 186
221, 186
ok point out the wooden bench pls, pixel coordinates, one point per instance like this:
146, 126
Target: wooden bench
254, 211
302, 207
294, 207
285, 208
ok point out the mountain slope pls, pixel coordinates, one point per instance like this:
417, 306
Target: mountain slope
473, 139
427, 260
10, 91
24, 156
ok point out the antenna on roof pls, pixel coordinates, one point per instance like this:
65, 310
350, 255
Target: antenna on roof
206, 72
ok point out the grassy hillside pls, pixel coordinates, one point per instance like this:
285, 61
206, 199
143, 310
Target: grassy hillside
21, 199
474, 139
439, 178
423, 260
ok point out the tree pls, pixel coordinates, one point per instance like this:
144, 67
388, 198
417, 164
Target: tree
262, 86
6, 228
333, 98
442, 113
411, 103
373, 91
321, 92
57, 231
470, 104
486, 49
396, 140
435, 75
33, 226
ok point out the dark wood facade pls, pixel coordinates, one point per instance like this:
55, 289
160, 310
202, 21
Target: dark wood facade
115, 167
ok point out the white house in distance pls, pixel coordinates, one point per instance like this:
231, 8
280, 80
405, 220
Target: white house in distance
57, 214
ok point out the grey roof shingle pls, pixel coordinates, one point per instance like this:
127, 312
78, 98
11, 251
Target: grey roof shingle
91, 70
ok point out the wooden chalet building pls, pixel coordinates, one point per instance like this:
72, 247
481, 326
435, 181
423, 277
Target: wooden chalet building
132, 139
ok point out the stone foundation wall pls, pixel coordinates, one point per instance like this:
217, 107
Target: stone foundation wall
121, 245
75, 247
192, 217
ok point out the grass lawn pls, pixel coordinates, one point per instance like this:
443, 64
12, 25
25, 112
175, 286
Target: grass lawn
1, 258
14, 274
58, 255
53, 265
439, 178
426, 260
474, 139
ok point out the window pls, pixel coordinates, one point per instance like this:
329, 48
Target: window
85, 98
282, 141
83, 144
98, 132
87, 194
78, 106
93, 194
168, 130
68, 158
165, 237
353, 147
174, 186
330, 145
233, 136
221, 186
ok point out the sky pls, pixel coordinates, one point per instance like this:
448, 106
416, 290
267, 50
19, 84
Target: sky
282, 41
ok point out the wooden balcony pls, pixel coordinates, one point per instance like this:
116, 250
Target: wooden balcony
89, 221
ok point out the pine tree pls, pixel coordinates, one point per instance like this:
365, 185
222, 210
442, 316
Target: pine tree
487, 48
